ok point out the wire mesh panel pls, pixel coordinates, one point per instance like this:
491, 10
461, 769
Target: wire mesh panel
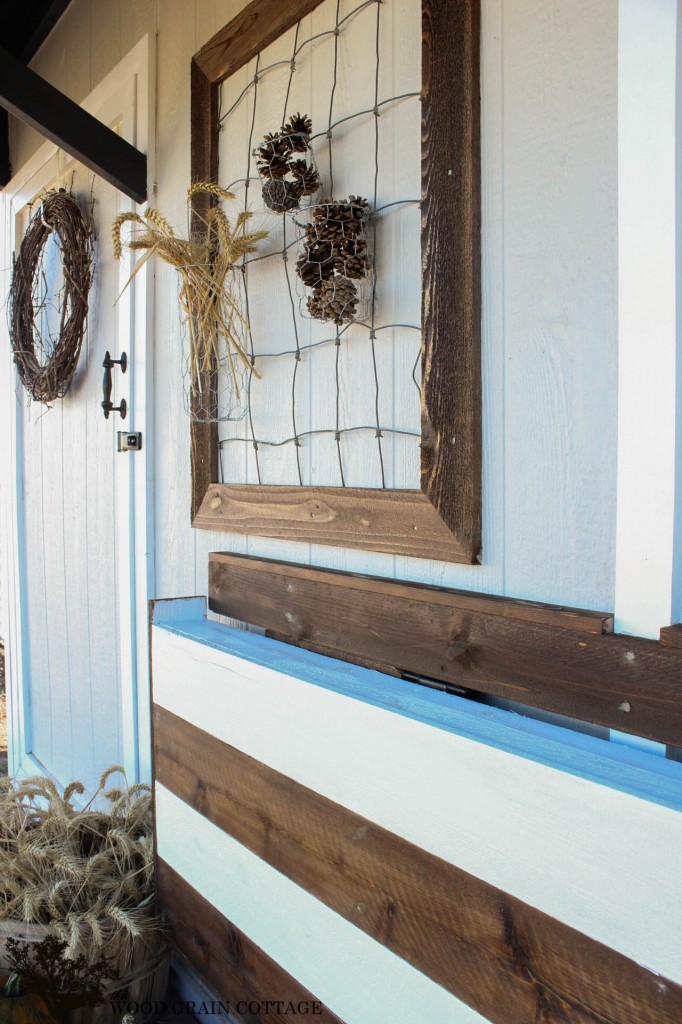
331, 300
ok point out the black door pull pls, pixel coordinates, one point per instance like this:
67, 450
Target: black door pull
107, 404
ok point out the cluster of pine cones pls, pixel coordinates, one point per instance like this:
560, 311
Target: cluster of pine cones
334, 254
287, 175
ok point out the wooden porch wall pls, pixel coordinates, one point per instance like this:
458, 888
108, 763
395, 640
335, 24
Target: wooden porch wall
251, 784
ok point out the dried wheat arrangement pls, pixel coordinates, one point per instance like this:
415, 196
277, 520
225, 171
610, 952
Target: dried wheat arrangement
209, 301
87, 874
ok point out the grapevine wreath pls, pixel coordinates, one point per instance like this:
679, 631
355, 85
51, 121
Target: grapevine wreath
46, 362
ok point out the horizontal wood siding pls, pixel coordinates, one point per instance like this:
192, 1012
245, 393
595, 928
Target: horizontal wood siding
510, 962
233, 967
553, 658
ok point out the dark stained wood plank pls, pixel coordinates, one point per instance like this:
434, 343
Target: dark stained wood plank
403, 522
451, 412
451, 266
37, 103
233, 966
5, 166
507, 960
671, 636
204, 167
252, 30
580, 619
490, 645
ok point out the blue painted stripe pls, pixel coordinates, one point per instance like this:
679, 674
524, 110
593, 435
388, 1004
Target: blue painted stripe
636, 772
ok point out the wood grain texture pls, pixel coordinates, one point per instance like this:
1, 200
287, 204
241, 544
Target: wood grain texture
508, 961
671, 636
204, 167
546, 657
451, 265
451, 306
233, 967
375, 520
252, 30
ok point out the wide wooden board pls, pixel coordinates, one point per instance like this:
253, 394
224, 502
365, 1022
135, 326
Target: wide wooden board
530, 653
403, 522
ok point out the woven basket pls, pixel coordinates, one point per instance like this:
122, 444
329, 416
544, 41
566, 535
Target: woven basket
142, 975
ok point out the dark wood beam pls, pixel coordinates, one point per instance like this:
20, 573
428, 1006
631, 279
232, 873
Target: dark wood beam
51, 15
5, 166
33, 100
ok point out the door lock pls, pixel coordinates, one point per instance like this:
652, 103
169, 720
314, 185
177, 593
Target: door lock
129, 441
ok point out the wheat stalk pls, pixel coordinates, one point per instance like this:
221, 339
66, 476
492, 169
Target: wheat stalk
207, 295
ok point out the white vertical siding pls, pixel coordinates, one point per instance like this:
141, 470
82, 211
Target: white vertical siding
71, 546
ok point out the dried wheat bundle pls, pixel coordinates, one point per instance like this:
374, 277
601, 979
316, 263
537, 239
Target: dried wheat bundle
208, 296
86, 874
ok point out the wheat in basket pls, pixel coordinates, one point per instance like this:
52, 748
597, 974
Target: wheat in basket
84, 875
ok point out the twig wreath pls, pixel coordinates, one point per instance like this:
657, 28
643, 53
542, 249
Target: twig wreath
46, 361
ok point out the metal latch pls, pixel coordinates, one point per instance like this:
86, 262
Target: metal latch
129, 442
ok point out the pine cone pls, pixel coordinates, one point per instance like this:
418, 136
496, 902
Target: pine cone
352, 266
306, 179
359, 207
280, 195
315, 263
296, 133
272, 157
334, 299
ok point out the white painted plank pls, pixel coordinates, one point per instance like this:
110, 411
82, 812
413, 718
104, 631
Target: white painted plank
560, 271
356, 977
600, 860
648, 371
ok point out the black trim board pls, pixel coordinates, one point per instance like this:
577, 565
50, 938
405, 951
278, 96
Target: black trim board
33, 100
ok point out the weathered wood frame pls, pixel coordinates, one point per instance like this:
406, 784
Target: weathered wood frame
443, 519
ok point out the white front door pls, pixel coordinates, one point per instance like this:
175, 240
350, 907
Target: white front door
78, 529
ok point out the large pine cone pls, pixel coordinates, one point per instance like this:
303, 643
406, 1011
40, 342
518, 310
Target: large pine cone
335, 299
280, 195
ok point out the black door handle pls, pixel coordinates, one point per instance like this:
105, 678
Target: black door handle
107, 404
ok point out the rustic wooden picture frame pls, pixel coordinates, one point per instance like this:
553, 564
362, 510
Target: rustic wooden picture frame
442, 520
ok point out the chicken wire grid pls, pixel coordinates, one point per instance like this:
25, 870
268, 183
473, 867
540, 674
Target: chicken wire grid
382, 334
